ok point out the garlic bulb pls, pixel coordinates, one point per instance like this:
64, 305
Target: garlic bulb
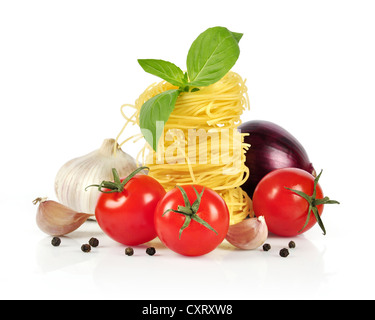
75, 175
56, 219
248, 234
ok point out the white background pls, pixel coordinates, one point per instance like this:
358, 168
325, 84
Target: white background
66, 67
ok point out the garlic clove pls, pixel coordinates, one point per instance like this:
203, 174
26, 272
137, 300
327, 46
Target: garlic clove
248, 234
56, 219
75, 175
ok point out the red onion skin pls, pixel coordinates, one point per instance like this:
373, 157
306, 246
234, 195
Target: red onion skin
272, 147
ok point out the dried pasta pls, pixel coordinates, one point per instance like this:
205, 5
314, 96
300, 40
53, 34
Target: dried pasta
200, 143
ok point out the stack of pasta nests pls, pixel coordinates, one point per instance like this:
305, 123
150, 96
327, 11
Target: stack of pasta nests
201, 143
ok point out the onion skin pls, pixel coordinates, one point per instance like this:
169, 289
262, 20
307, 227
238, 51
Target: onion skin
272, 147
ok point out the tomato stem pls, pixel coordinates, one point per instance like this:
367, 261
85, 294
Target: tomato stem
313, 203
116, 185
190, 211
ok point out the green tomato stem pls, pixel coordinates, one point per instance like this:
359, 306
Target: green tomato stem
116, 185
190, 211
313, 203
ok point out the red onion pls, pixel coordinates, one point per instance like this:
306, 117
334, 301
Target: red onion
272, 147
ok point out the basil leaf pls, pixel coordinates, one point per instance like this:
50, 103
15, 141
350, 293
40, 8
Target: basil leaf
212, 55
163, 69
237, 36
154, 113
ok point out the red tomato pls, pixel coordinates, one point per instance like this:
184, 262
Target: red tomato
285, 211
128, 216
187, 234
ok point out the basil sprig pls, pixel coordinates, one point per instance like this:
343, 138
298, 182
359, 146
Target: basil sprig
164, 69
210, 57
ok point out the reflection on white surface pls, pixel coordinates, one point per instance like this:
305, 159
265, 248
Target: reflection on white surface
69, 252
331, 266
167, 275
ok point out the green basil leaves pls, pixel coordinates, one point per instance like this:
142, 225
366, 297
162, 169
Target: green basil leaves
163, 69
210, 57
154, 113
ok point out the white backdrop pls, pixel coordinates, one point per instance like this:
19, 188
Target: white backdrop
66, 67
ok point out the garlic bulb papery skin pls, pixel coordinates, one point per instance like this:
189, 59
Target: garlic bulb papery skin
75, 175
248, 234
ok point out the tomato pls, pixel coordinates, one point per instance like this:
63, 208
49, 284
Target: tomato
192, 220
291, 201
127, 215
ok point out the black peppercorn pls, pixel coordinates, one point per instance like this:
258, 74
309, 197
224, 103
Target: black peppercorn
56, 241
150, 251
266, 247
129, 251
86, 248
292, 244
93, 242
284, 252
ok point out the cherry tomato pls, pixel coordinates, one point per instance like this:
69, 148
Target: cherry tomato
192, 220
291, 201
127, 215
